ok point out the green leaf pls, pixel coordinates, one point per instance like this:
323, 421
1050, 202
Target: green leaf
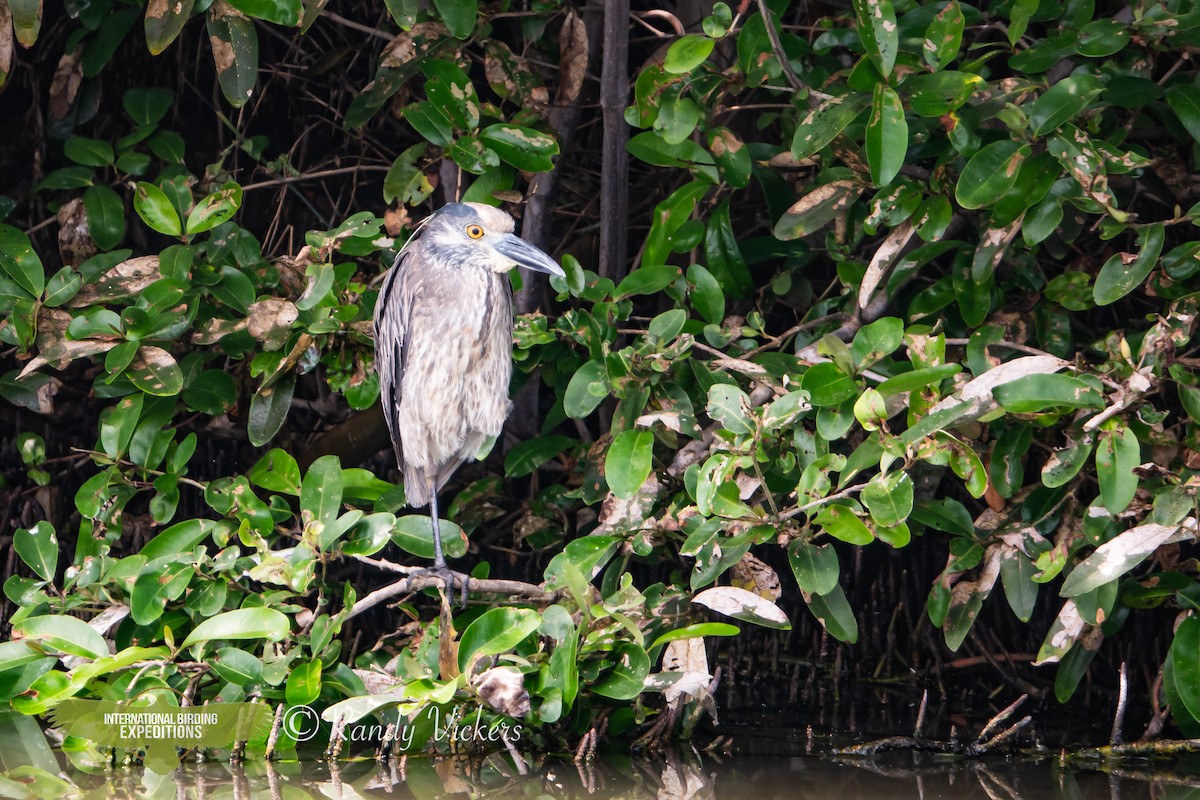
414, 534
946, 514
89, 152
647, 280
65, 284
990, 173
235, 52
1184, 100
153, 589
1184, 656
876, 340
1020, 589
155, 372
815, 209
321, 492
155, 209
163, 22
827, 385
815, 566
1124, 272
687, 52
19, 261
730, 406
281, 12
696, 631
431, 122
451, 90
38, 548
303, 683
276, 471
26, 20
889, 499
587, 389
105, 216
833, 611
724, 254
842, 523
1062, 101
1117, 454
65, 634
821, 125
879, 32
943, 37
627, 678
179, 538
1033, 393
212, 392
215, 209
706, 294
404, 181
527, 456
458, 15
731, 156
495, 631
269, 408
677, 118
237, 666
628, 462
887, 135
242, 623
525, 148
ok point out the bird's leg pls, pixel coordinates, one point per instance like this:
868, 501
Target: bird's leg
439, 558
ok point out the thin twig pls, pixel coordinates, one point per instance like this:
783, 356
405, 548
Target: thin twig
777, 46
311, 176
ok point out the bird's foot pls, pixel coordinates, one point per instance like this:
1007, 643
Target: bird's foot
450, 579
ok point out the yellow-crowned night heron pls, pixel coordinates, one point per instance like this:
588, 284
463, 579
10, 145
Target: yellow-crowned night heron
443, 345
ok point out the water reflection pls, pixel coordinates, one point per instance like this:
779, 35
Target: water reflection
674, 776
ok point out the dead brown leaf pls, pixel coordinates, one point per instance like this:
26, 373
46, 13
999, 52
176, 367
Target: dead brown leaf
753, 575
75, 243
65, 86
573, 61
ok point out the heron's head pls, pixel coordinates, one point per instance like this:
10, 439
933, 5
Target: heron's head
480, 236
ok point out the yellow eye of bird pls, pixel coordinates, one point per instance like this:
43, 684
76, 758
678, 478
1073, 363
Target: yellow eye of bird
475, 231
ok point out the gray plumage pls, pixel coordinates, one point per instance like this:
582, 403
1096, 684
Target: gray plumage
443, 343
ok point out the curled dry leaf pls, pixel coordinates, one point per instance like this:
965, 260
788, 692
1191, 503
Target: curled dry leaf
64, 87
270, 321
623, 516
124, 280
741, 604
75, 243
61, 353
410, 44
377, 682
503, 688
687, 659
573, 61
753, 575
510, 77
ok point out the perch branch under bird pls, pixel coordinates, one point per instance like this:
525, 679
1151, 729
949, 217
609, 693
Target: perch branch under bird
443, 345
